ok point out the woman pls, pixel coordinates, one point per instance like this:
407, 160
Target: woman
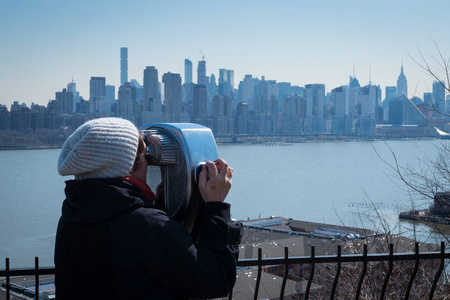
114, 243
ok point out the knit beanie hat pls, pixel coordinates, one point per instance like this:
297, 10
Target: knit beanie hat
100, 148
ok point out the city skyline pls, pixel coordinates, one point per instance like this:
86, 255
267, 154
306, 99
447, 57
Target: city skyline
45, 45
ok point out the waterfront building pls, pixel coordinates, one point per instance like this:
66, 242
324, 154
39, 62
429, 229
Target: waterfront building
97, 90
201, 72
248, 91
150, 97
224, 87
64, 101
299, 90
226, 82
340, 99
125, 102
402, 111
315, 94
187, 71
241, 119
230, 74
272, 93
172, 97
268, 120
293, 115
139, 90
390, 93
200, 109
83, 107
260, 97
110, 92
402, 84
188, 92
284, 91
223, 121
72, 88
353, 95
369, 98
428, 97
123, 65
439, 102
212, 87
5, 118
340, 116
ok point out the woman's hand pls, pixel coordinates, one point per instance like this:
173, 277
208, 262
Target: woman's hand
215, 180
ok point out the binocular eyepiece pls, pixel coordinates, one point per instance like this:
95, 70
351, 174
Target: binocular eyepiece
161, 149
179, 150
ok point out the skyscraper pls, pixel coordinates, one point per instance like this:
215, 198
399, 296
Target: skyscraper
64, 101
248, 91
223, 82
125, 102
111, 93
242, 117
439, 102
97, 91
223, 122
402, 84
315, 94
172, 97
212, 87
187, 71
390, 92
123, 65
201, 72
151, 98
200, 105
231, 80
72, 88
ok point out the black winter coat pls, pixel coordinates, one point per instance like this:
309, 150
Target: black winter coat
111, 243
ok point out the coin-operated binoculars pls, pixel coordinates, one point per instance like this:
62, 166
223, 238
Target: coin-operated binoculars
175, 154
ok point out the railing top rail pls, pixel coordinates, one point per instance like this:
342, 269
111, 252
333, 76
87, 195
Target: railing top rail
348, 258
343, 258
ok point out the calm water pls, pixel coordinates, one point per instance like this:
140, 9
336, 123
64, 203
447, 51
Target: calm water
330, 182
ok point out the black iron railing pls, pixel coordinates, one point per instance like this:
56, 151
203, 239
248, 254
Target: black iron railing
365, 258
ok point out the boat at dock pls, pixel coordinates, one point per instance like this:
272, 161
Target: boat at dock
424, 216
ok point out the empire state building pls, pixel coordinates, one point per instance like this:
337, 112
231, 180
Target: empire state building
402, 84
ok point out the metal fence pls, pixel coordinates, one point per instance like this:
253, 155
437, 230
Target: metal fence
365, 258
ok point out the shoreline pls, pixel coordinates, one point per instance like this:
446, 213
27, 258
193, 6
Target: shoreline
268, 141
30, 148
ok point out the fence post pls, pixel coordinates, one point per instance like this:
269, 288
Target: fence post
363, 272
338, 271
36, 277
8, 283
311, 273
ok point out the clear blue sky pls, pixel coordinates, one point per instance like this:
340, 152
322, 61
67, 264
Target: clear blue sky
45, 43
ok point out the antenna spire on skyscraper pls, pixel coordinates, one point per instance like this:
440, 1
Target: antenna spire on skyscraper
353, 68
203, 57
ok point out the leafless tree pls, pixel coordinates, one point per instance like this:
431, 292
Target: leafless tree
437, 68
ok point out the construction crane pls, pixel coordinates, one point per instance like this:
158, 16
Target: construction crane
203, 57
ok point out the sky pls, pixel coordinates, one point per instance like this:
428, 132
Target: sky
45, 44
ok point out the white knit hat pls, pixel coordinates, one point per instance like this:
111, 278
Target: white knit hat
100, 148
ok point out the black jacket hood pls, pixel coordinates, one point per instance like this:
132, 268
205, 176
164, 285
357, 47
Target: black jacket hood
97, 200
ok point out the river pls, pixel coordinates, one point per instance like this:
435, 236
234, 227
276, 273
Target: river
329, 182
